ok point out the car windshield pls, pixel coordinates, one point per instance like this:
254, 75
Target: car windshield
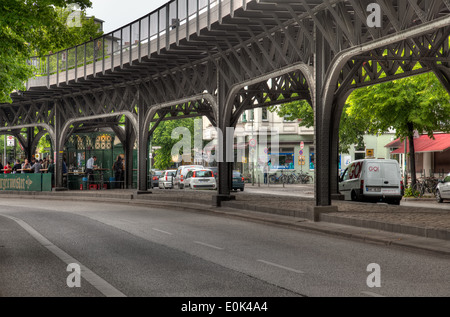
203, 174
236, 174
171, 173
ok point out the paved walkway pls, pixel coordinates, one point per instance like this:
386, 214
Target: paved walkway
426, 219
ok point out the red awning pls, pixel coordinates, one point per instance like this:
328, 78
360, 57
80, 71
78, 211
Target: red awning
424, 144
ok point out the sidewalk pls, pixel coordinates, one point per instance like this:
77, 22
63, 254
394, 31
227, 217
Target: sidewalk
414, 225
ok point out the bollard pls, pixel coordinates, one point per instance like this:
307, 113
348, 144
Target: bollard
259, 183
81, 186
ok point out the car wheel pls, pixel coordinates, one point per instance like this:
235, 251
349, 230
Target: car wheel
242, 189
438, 197
354, 196
180, 186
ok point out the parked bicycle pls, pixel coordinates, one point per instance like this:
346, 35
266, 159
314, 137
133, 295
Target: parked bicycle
283, 178
425, 186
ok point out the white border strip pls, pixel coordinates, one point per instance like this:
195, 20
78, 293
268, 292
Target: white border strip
281, 266
100, 284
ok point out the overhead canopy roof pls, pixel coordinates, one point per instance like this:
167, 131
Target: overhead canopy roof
423, 144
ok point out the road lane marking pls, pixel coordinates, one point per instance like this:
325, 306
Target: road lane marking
372, 294
162, 231
281, 266
100, 284
209, 245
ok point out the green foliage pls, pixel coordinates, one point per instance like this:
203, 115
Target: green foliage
420, 102
409, 192
29, 28
163, 137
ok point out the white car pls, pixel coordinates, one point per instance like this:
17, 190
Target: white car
166, 179
200, 179
443, 189
181, 174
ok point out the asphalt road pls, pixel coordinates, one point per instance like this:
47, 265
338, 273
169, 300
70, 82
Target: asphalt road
141, 251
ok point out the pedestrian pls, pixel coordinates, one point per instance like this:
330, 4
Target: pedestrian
266, 172
36, 167
118, 168
17, 166
45, 163
51, 170
90, 165
26, 167
7, 168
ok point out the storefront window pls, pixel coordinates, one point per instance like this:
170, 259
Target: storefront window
312, 161
285, 159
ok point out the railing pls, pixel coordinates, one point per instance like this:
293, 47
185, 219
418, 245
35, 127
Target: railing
157, 30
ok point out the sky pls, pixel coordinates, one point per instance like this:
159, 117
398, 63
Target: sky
117, 13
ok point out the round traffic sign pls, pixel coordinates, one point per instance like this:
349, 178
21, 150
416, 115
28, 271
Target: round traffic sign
302, 145
252, 142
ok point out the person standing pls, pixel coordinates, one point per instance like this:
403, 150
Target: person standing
36, 167
266, 172
51, 170
17, 166
26, 167
8, 168
90, 165
118, 172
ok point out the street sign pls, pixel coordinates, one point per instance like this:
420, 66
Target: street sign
300, 152
10, 141
302, 145
266, 150
252, 142
301, 160
369, 153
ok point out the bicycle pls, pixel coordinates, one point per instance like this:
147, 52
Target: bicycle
274, 179
303, 178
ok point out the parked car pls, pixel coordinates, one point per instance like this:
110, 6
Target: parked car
215, 171
443, 189
372, 180
155, 178
238, 181
200, 179
166, 179
181, 174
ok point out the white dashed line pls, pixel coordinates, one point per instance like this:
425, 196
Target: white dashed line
372, 294
162, 231
209, 245
281, 266
100, 284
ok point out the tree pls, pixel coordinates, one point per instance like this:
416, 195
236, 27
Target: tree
29, 28
162, 136
411, 104
418, 103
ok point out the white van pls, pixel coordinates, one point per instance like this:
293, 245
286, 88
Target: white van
181, 174
372, 180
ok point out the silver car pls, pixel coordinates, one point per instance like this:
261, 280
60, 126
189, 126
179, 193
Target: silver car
443, 189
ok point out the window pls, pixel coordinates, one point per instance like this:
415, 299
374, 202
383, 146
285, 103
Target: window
203, 174
252, 114
264, 116
285, 159
312, 160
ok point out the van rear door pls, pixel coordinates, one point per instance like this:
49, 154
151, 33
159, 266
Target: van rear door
391, 179
373, 178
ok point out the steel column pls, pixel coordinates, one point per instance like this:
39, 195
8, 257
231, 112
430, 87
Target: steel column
142, 139
128, 146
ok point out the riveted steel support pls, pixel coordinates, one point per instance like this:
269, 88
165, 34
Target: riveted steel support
142, 139
128, 148
59, 147
223, 151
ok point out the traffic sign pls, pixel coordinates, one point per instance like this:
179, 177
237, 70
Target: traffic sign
300, 152
302, 145
266, 150
252, 142
301, 160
